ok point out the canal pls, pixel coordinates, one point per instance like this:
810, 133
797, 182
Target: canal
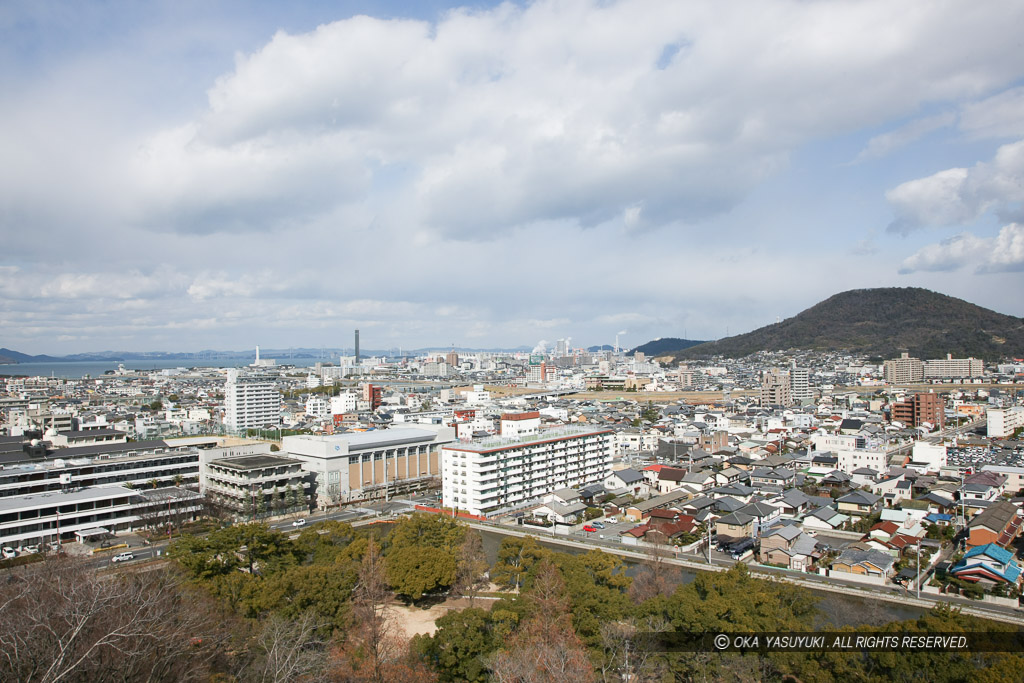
834, 609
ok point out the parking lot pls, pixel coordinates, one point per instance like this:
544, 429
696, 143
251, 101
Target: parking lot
979, 456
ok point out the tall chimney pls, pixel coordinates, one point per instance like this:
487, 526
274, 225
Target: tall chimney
357, 347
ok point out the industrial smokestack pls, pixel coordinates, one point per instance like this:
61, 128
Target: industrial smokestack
357, 347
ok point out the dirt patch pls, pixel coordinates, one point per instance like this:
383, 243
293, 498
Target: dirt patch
412, 619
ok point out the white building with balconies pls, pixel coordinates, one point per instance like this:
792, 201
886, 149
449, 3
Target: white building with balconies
499, 473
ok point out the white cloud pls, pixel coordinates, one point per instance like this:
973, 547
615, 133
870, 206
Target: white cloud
881, 145
1001, 115
558, 168
1003, 253
959, 195
571, 111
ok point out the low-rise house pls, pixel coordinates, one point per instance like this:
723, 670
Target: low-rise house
859, 503
735, 526
780, 477
640, 511
938, 503
999, 523
564, 497
790, 547
730, 475
863, 476
669, 479
864, 563
825, 518
764, 515
703, 480
836, 479
989, 563
626, 479
737, 491
793, 502
561, 514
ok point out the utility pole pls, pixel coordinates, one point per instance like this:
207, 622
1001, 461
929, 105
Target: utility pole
919, 569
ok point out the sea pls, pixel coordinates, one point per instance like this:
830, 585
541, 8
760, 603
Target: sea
79, 369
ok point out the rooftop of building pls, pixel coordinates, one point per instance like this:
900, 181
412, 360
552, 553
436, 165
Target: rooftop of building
373, 439
255, 462
497, 443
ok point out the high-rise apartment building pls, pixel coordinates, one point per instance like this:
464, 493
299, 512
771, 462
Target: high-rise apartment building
952, 368
799, 384
483, 477
903, 370
775, 389
918, 409
250, 401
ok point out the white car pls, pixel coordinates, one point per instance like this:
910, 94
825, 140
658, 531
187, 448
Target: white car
123, 557
299, 522
30, 549
8, 553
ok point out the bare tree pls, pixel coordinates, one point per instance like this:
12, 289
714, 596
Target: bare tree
470, 566
627, 652
288, 650
545, 647
655, 577
62, 621
375, 650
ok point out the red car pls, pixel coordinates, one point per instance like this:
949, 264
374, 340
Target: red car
587, 527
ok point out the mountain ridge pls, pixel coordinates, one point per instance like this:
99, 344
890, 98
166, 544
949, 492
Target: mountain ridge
881, 322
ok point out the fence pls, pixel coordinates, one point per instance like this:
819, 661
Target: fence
461, 515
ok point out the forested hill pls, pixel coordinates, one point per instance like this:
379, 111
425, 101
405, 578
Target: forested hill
664, 345
882, 322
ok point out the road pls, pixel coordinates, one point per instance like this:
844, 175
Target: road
720, 562
696, 561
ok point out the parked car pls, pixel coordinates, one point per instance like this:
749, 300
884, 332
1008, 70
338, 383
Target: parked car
54, 546
299, 522
598, 525
587, 527
123, 557
30, 549
8, 553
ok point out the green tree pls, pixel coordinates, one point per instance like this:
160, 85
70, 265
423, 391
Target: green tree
156, 405
415, 570
423, 529
516, 556
459, 648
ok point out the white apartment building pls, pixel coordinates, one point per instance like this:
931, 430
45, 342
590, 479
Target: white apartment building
928, 456
359, 465
799, 384
1002, 422
344, 403
853, 452
316, 406
487, 476
950, 367
250, 401
514, 425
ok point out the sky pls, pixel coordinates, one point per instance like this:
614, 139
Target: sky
189, 175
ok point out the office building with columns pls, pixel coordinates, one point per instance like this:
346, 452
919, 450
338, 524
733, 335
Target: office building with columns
363, 465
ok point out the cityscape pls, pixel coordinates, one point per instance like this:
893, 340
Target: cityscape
897, 481
514, 341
